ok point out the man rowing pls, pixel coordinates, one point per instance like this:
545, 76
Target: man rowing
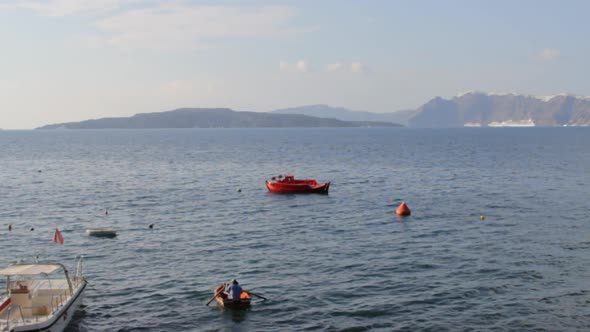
234, 291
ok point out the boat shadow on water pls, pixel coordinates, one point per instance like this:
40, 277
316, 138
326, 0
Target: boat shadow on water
236, 315
77, 323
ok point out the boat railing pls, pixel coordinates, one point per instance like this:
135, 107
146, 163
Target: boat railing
36, 286
11, 322
79, 264
53, 301
58, 300
78, 276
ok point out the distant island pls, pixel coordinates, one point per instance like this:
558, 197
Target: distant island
472, 109
214, 118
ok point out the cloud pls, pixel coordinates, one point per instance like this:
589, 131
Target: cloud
332, 67
353, 67
283, 66
549, 54
168, 25
87, 40
302, 65
358, 68
188, 92
186, 26
178, 87
60, 8
299, 66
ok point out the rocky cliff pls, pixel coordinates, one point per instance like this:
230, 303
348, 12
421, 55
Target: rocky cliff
478, 109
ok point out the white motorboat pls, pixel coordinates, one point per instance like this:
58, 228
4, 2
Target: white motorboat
40, 296
102, 232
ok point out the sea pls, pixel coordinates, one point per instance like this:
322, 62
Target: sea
498, 238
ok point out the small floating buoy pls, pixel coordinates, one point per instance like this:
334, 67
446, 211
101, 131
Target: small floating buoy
239, 190
9, 227
482, 217
32, 229
403, 210
39, 171
151, 226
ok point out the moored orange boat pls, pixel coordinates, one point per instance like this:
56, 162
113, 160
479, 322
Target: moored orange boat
289, 185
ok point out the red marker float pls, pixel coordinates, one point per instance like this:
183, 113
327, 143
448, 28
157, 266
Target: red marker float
403, 210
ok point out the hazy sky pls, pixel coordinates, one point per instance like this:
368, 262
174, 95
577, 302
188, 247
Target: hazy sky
71, 60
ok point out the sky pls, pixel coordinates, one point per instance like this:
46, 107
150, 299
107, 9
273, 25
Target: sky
72, 60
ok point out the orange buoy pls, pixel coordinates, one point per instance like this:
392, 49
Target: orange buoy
403, 210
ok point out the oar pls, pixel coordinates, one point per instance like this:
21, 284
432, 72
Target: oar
257, 295
214, 296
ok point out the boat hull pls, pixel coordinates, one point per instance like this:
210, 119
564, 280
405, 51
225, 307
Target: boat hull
288, 188
102, 232
231, 304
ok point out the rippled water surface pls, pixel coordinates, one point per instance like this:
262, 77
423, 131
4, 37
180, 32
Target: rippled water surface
327, 263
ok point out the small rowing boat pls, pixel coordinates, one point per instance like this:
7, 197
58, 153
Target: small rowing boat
289, 185
221, 297
102, 232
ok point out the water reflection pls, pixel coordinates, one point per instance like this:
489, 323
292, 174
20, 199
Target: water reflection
236, 315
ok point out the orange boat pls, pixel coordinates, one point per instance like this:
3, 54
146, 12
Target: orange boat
289, 185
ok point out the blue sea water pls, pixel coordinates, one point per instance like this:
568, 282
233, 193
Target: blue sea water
341, 262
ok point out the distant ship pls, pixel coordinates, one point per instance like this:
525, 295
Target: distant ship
513, 123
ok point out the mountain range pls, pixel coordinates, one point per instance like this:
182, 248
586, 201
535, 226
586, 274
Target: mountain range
480, 109
341, 113
213, 118
474, 109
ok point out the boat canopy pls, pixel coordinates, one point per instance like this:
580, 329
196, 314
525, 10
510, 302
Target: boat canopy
29, 269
